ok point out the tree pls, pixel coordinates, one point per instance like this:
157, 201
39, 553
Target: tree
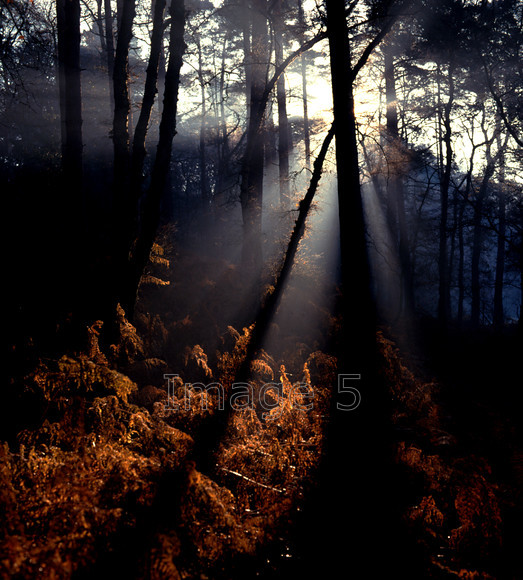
283, 121
346, 464
150, 216
68, 29
396, 159
150, 92
251, 194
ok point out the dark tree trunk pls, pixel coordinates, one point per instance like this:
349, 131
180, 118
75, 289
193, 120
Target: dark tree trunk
109, 43
149, 94
204, 180
68, 24
477, 243
283, 121
224, 181
71, 294
443, 266
461, 263
396, 182
500, 259
153, 201
122, 102
351, 438
124, 216
251, 191
498, 317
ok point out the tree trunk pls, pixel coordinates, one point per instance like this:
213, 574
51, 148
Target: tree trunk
101, 32
223, 175
204, 181
443, 267
500, 259
73, 287
283, 121
306, 128
461, 264
475, 308
152, 204
124, 215
498, 317
251, 190
246, 37
149, 95
109, 43
68, 24
351, 438
396, 183
122, 102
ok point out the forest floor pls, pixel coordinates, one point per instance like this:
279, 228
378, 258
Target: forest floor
100, 478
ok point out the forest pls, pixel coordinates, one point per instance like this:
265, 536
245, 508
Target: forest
264, 289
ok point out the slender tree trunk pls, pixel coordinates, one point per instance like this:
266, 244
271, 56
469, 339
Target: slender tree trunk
68, 20
500, 259
453, 236
396, 182
283, 121
443, 302
461, 264
152, 204
60, 23
461, 238
109, 42
502, 230
475, 308
246, 37
204, 181
161, 77
101, 32
223, 173
149, 95
306, 128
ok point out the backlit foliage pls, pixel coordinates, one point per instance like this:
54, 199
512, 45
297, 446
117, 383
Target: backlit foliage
112, 459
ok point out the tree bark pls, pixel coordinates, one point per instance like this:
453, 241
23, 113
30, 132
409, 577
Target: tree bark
306, 128
477, 243
283, 121
68, 25
152, 204
122, 102
204, 180
443, 266
251, 191
109, 43
149, 95
396, 183
123, 208
498, 317
351, 437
